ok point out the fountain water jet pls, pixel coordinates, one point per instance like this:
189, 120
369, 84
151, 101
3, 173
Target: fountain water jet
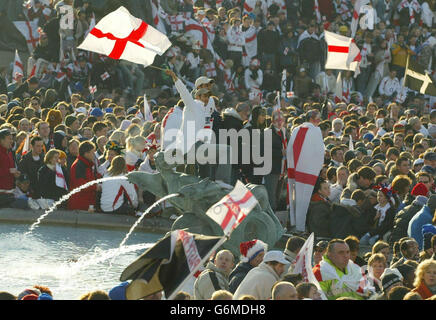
123, 242
67, 196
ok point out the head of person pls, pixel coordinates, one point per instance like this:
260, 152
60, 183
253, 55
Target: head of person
276, 260
338, 253
6, 140
224, 261
319, 250
410, 249
354, 245
426, 274
37, 145
377, 264
23, 182
243, 109
222, 295
203, 94
401, 185
307, 290
408, 273
137, 143
182, 295
43, 128
398, 293
253, 251
337, 154
283, 290
314, 117
117, 167
294, 244
100, 129
52, 157
390, 279
87, 150
366, 176
322, 187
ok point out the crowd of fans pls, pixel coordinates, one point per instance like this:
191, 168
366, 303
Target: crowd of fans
377, 182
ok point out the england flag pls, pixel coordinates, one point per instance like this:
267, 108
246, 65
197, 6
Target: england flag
120, 35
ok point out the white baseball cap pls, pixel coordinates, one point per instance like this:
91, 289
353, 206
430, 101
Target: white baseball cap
275, 255
202, 80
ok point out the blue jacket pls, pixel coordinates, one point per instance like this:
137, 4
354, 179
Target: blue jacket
422, 217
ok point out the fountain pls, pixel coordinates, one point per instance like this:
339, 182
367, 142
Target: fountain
67, 196
198, 195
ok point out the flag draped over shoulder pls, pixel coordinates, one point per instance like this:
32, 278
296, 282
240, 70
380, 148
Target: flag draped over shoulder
120, 35
418, 79
166, 265
305, 156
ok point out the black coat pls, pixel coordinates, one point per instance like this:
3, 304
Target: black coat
30, 167
402, 219
238, 274
276, 150
47, 183
385, 226
318, 218
344, 221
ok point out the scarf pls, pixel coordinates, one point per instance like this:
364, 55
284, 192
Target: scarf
413, 6
383, 211
352, 279
60, 179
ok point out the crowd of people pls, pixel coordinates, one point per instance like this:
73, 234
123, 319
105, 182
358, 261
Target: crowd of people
376, 187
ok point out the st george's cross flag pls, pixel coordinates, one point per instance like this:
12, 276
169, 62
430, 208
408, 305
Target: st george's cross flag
305, 156
18, 67
303, 264
119, 35
166, 265
232, 209
342, 52
29, 30
356, 13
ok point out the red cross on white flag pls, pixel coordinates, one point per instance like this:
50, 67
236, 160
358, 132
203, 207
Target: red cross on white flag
18, 67
120, 35
105, 76
29, 30
233, 208
93, 89
343, 53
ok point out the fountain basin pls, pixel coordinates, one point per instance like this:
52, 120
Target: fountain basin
87, 220
70, 261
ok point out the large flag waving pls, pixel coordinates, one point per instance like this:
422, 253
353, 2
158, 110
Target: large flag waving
167, 264
342, 52
305, 155
120, 35
303, 264
418, 79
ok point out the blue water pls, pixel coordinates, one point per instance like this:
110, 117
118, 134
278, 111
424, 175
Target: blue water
70, 261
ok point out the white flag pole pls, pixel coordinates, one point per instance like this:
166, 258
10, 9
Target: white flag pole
203, 260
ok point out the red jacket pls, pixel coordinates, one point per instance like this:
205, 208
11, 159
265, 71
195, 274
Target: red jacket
6, 162
82, 171
423, 291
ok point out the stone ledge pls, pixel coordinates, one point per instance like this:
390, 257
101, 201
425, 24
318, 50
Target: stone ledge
86, 220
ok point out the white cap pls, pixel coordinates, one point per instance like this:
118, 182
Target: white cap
201, 12
202, 80
275, 255
81, 110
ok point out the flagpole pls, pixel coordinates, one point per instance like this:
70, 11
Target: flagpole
151, 66
405, 72
203, 260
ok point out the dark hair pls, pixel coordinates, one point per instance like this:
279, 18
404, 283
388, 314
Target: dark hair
303, 289
358, 195
85, 147
352, 242
331, 173
398, 293
366, 173
7, 296
35, 139
181, 295
295, 279
97, 126
295, 243
334, 150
